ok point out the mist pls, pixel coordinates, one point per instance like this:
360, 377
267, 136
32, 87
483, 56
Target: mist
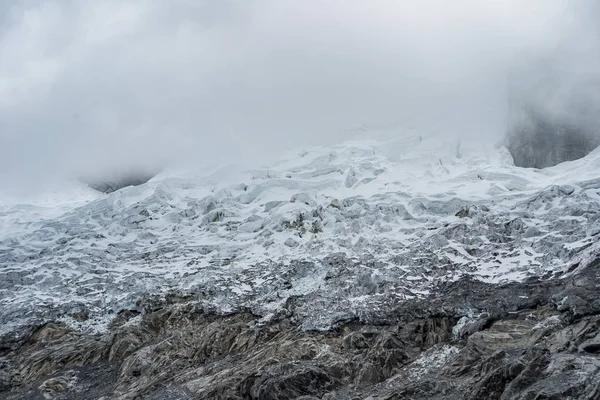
92, 88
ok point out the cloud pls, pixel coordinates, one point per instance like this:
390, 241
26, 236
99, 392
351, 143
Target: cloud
93, 86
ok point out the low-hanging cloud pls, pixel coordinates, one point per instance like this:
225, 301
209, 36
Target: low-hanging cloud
94, 86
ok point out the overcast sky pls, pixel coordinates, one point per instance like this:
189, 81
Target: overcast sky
89, 85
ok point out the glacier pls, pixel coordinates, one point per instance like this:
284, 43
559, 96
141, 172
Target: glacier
340, 230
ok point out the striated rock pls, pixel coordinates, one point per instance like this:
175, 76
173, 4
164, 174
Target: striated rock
292, 380
468, 340
56, 387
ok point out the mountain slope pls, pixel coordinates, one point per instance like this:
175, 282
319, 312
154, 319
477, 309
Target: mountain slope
347, 228
395, 266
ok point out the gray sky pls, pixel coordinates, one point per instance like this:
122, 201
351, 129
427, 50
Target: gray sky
88, 86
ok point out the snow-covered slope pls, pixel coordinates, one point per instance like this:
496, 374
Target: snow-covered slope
345, 228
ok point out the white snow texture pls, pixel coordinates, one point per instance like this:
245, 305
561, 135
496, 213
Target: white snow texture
387, 216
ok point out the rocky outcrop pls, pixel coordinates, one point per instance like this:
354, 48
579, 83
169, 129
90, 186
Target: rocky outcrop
540, 141
469, 339
112, 184
553, 110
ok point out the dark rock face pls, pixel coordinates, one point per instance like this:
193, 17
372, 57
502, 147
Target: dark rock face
553, 106
538, 339
113, 184
540, 141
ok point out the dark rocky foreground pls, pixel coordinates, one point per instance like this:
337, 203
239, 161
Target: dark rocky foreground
538, 339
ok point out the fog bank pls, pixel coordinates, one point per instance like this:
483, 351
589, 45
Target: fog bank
97, 87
